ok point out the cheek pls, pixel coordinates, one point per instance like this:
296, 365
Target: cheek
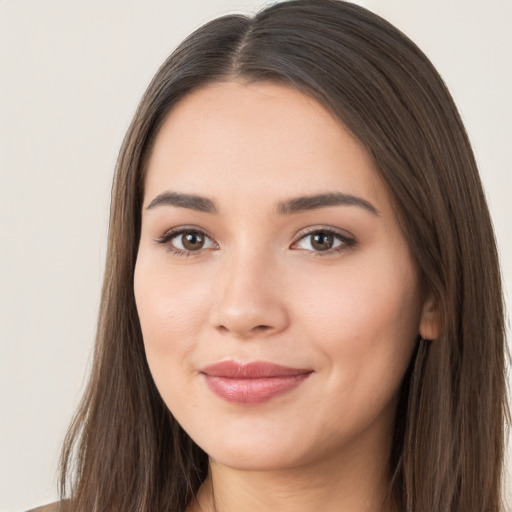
172, 310
171, 307
364, 318
360, 299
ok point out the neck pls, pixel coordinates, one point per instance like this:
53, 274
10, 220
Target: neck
327, 486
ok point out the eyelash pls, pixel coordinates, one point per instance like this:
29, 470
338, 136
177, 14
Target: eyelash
346, 240
166, 238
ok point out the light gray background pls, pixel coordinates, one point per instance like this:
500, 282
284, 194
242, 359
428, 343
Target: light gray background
71, 74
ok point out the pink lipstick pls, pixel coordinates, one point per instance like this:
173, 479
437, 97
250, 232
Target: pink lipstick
252, 383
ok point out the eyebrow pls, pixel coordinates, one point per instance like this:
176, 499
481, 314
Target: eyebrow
190, 201
288, 207
305, 203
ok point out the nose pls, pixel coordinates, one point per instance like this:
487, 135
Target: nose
250, 302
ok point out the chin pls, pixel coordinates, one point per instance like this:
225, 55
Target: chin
256, 459
259, 451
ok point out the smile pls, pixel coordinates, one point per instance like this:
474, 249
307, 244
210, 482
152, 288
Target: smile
252, 383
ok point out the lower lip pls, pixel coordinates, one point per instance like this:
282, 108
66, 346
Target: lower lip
253, 391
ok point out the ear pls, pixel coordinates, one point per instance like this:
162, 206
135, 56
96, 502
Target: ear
429, 328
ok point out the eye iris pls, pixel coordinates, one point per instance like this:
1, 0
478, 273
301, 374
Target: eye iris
322, 241
192, 241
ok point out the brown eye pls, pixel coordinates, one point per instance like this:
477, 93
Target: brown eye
322, 241
187, 241
192, 241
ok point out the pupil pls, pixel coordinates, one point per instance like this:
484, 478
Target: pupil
192, 241
322, 241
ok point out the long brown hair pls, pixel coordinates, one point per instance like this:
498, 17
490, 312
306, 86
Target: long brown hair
125, 451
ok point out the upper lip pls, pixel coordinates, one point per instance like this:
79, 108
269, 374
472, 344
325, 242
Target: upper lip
253, 370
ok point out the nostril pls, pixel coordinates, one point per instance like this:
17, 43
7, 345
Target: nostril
260, 328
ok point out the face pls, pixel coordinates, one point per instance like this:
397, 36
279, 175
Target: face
277, 297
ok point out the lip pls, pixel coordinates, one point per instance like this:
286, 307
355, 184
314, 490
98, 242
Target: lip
252, 383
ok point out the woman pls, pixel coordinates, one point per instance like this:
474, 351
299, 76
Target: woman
302, 305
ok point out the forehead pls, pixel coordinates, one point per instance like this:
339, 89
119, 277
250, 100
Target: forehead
234, 139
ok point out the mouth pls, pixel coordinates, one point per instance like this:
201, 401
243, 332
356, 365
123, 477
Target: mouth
252, 383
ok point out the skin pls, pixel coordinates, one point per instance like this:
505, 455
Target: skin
258, 290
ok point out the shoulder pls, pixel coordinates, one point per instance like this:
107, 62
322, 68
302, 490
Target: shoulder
58, 506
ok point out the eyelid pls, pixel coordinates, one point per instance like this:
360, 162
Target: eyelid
346, 237
166, 238
342, 233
